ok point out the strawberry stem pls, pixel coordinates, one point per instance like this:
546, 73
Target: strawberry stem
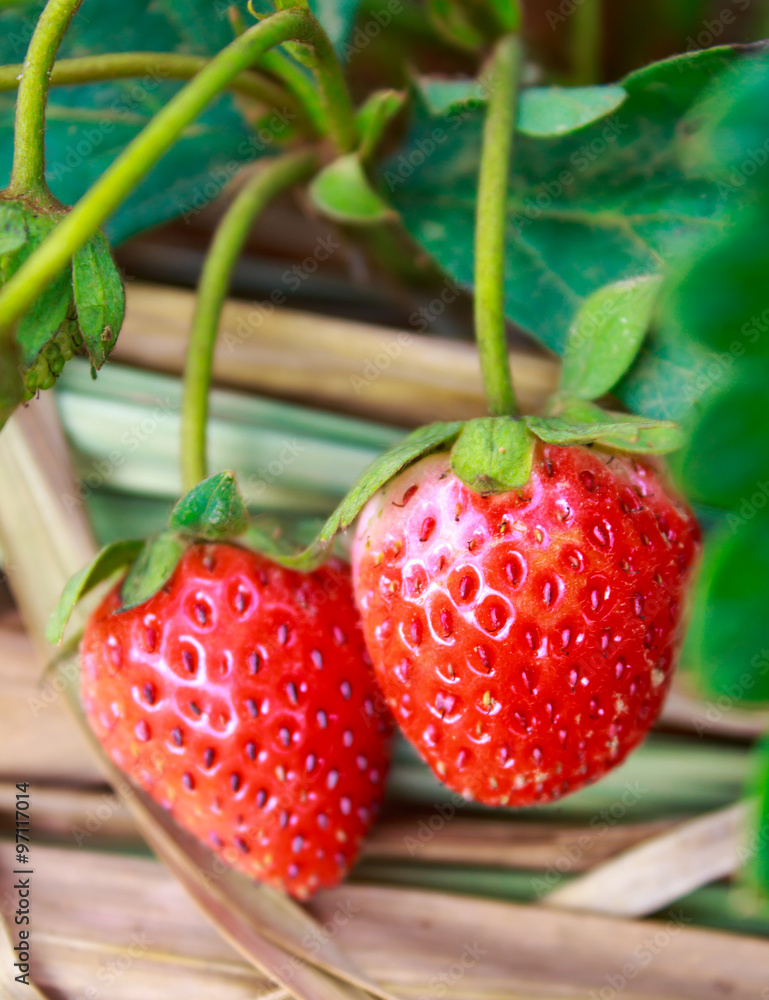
490, 227
587, 36
137, 159
166, 65
277, 176
28, 172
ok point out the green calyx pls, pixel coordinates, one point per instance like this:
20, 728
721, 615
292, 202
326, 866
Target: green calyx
493, 454
214, 510
82, 308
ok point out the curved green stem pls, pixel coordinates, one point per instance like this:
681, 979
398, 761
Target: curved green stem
490, 224
165, 65
119, 179
334, 93
275, 177
28, 172
299, 83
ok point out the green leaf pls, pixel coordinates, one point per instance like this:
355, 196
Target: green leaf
493, 454
213, 509
444, 96
344, 193
603, 204
727, 129
13, 226
726, 463
89, 125
99, 297
606, 335
551, 111
111, 558
583, 423
729, 639
417, 444
374, 116
542, 111
153, 568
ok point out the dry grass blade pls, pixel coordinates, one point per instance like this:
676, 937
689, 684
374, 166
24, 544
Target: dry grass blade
394, 375
685, 710
44, 533
661, 870
418, 943
33, 517
506, 843
518, 844
264, 925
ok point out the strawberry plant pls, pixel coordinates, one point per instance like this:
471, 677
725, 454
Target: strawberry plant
521, 580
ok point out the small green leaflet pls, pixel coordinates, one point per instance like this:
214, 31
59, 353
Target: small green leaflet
153, 568
493, 454
542, 111
40, 322
212, 510
111, 558
13, 226
420, 442
583, 423
547, 111
606, 335
344, 193
99, 297
374, 116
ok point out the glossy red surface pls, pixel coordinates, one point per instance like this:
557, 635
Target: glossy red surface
241, 698
525, 641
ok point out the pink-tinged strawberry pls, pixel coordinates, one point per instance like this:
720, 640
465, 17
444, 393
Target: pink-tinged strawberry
240, 696
525, 640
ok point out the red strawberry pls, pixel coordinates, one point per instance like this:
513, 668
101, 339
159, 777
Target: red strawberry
241, 698
525, 640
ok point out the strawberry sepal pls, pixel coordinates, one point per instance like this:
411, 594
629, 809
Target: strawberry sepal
213, 510
113, 557
493, 454
576, 421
